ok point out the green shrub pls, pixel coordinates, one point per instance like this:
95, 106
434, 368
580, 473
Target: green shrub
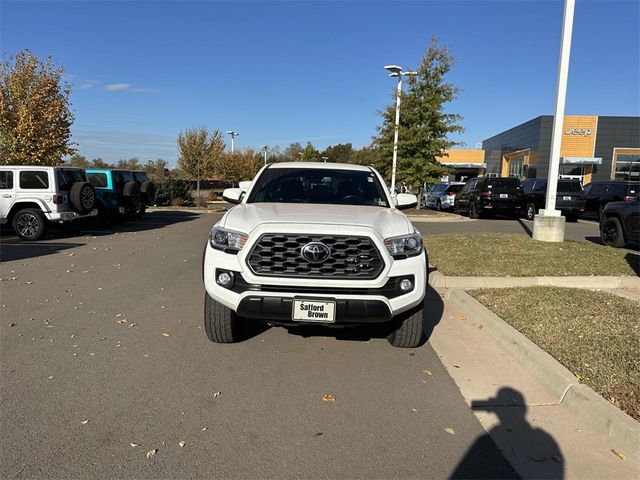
173, 191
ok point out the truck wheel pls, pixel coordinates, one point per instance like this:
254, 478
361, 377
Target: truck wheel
28, 224
221, 323
82, 197
131, 190
611, 233
531, 211
409, 333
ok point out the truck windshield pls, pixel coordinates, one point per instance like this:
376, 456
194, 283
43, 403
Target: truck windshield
308, 185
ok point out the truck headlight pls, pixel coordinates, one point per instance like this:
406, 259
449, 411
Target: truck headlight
227, 240
404, 246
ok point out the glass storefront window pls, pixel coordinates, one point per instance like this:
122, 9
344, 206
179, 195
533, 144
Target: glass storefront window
627, 167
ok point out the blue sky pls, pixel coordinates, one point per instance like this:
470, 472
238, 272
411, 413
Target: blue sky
279, 72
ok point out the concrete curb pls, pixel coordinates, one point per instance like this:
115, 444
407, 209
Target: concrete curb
437, 279
429, 218
604, 418
201, 211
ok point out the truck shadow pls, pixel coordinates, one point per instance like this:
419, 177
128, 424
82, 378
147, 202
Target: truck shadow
433, 309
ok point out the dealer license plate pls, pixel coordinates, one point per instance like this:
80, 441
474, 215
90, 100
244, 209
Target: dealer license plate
566, 198
504, 195
314, 311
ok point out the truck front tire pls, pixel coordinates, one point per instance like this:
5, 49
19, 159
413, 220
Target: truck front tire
220, 322
409, 332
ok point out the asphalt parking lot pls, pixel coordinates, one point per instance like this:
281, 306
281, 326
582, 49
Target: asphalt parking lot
104, 359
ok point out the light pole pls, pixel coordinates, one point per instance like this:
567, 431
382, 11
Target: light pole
396, 71
233, 136
548, 225
265, 148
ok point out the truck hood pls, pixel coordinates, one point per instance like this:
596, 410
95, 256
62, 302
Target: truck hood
388, 222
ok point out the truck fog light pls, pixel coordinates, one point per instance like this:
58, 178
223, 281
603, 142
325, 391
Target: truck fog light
225, 279
406, 285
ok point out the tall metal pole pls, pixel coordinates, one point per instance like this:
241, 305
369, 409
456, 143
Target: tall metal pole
558, 119
265, 148
395, 136
233, 135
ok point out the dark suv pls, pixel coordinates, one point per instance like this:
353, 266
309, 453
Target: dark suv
484, 196
118, 193
598, 194
570, 198
620, 223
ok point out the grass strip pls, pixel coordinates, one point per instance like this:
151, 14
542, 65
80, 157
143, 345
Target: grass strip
516, 255
595, 334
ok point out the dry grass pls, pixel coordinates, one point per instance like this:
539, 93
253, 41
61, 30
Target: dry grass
596, 335
514, 255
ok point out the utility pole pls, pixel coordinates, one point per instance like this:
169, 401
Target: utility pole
233, 136
265, 148
396, 71
548, 225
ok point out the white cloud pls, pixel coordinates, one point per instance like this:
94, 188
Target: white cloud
116, 87
88, 84
144, 90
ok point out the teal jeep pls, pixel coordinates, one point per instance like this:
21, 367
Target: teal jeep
120, 193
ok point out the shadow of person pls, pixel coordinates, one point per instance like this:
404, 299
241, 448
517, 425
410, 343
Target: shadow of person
532, 452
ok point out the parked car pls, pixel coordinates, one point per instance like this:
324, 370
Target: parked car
315, 243
487, 196
620, 223
118, 193
442, 196
570, 197
31, 196
598, 194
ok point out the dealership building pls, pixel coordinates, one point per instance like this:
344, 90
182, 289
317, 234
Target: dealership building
593, 148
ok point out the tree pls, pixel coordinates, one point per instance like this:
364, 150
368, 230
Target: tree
99, 163
78, 160
292, 153
35, 119
365, 156
239, 165
310, 154
129, 164
340, 153
155, 169
199, 151
424, 124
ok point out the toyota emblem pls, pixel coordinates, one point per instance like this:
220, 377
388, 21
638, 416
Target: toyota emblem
315, 252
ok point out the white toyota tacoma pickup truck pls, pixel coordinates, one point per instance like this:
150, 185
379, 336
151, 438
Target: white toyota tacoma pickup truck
315, 243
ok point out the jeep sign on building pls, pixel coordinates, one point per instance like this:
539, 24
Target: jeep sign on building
593, 148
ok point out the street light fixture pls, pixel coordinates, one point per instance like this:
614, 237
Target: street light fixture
265, 148
324, 159
396, 71
233, 136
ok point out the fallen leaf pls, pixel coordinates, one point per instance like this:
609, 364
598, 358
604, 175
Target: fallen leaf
134, 445
462, 317
217, 394
166, 334
84, 422
119, 314
151, 453
328, 398
132, 325
428, 372
181, 443
121, 321
620, 455
203, 429
450, 430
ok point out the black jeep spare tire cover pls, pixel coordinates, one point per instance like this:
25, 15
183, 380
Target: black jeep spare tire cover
148, 190
82, 197
132, 192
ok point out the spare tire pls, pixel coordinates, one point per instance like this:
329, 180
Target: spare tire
132, 192
148, 190
82, 197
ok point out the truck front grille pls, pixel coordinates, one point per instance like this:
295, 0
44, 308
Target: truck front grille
276, 255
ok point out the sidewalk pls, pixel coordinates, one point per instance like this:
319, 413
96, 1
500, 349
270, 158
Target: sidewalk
540, 437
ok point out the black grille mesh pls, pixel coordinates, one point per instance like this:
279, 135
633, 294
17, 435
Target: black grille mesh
351, 257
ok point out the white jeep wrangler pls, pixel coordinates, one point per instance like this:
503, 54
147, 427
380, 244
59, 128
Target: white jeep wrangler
315, 243
32, 195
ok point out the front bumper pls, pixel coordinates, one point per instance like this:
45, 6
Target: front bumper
357, 301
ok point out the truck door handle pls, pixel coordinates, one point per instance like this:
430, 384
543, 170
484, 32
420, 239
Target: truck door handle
6, 195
